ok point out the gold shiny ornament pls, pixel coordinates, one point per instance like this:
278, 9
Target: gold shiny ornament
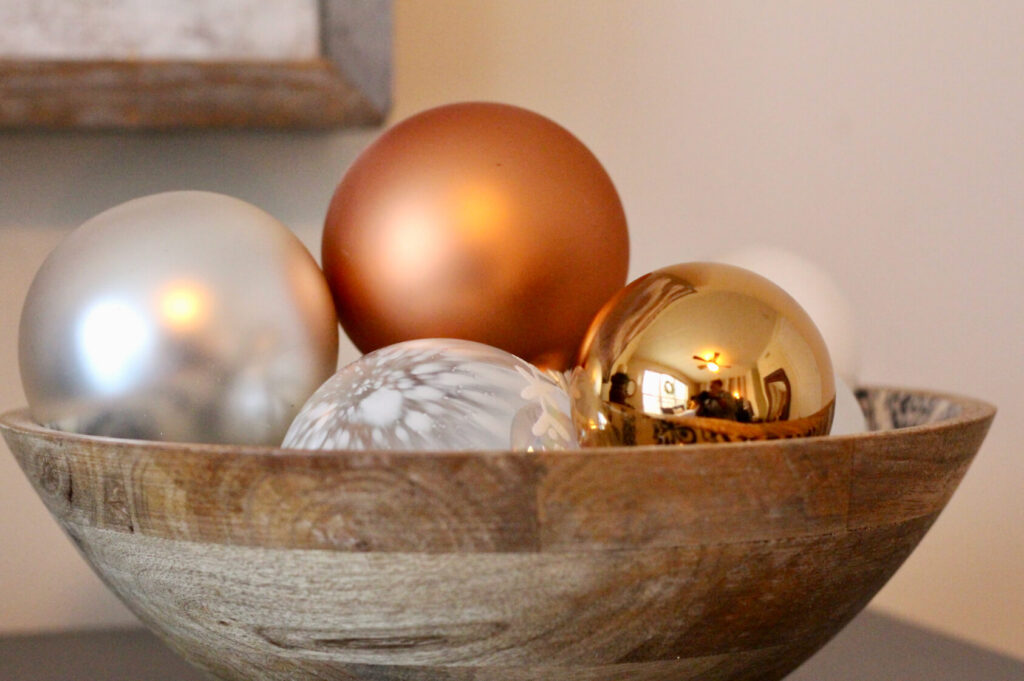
479, 221
701, 352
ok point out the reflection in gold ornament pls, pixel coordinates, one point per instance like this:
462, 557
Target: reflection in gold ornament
701, 352
711, 362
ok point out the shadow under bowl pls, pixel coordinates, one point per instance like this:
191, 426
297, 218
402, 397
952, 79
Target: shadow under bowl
711, 562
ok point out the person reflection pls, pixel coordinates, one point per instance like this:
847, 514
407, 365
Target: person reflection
618, 391
717, 403
744, 410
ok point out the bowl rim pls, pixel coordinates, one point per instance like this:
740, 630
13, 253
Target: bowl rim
970, 410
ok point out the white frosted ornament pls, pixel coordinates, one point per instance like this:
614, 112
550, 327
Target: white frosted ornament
849, 417
184, 316
436, 394
817, 293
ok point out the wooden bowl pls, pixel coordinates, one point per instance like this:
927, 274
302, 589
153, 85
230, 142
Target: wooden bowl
731, 561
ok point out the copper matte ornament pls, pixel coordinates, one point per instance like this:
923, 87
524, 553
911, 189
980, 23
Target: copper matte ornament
479, 221
186, 316
702, 352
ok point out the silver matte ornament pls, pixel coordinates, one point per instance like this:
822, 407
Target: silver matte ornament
185, 316
437, 394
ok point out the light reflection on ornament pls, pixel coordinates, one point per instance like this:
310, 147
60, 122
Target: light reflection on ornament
184, 305
113, 340
480, 208
414, 245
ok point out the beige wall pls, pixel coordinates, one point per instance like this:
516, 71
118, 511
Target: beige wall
883, 141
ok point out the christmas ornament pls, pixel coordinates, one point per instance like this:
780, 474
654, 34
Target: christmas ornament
186, 316
849, 417
479, 221
701, 352
436, 394
817, 293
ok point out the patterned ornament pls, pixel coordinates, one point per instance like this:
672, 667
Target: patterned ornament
436, 394
701, 352
185, 316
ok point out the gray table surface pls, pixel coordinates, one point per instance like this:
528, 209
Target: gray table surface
872, 648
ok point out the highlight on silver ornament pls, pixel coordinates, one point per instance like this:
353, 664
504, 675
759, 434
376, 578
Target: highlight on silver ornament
183, 316
437, 394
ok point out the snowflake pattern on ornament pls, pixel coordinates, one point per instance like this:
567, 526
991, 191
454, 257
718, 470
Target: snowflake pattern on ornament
436, 394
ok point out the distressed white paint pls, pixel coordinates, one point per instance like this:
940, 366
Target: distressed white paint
159, 29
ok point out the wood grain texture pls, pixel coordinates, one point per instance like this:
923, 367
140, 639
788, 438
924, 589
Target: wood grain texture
712, 562
165, 95
348, 85
484, 610
670, 496
372, 501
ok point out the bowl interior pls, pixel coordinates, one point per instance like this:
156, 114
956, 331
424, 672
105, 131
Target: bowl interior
893, 408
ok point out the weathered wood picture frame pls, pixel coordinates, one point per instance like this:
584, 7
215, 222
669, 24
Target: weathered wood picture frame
345, 82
